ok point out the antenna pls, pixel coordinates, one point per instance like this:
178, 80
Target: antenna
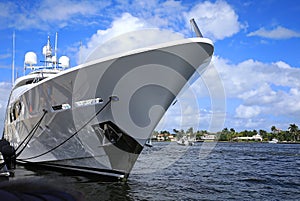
80, 48
196, 29
13, 61
55, 50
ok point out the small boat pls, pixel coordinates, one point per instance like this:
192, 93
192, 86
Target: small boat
185, 141
149, 143
273, 141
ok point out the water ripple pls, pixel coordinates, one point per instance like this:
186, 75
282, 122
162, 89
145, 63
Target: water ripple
167, 171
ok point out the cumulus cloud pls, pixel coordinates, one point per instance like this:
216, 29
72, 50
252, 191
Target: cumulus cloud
48, 13
247, 111
282, 64
120, 26
126, 33
259, 92
5, 88
237, 77
216, 20
164, 14
53, 10
277, 33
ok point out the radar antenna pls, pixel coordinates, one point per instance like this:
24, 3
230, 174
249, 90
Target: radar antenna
196, 28
55, 51
13, 61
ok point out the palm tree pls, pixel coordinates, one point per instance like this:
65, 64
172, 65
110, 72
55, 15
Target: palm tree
294, 130
232, 132
273, 128
225, 130
263, 134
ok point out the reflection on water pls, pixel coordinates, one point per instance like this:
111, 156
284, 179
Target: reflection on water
167, 171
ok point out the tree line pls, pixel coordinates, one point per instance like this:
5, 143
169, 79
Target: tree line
292, 134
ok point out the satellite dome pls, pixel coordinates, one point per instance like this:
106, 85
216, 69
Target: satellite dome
30, 58
54, 59
45, 50
64, 61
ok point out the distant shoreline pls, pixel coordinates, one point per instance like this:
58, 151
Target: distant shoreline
266, 142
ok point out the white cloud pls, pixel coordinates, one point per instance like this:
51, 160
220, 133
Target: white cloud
120, 26
163, 14
6, 9
260, 92
126, 33
216, 20
247, 111
49, 13
258, 95
263, 95
282, 64
4, 56
61, 10
5, 88
277, 33
252, 75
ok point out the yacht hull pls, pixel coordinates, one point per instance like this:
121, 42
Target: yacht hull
96, 117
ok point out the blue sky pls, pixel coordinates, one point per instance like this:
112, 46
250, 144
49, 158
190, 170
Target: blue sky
256, 50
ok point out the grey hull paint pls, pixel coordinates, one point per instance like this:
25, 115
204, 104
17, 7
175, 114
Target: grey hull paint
146, 83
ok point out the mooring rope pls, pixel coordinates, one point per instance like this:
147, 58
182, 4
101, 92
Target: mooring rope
31, 134
63, 142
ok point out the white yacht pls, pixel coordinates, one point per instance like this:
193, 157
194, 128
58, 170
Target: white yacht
97, 117
273, 141
185, 141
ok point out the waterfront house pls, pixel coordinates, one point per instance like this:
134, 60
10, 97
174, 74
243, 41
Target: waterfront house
256, 137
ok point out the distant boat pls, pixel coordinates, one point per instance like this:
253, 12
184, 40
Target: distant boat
208, 138
185, 141
273, 141
149, 143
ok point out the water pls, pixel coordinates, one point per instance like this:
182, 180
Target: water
206, 171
